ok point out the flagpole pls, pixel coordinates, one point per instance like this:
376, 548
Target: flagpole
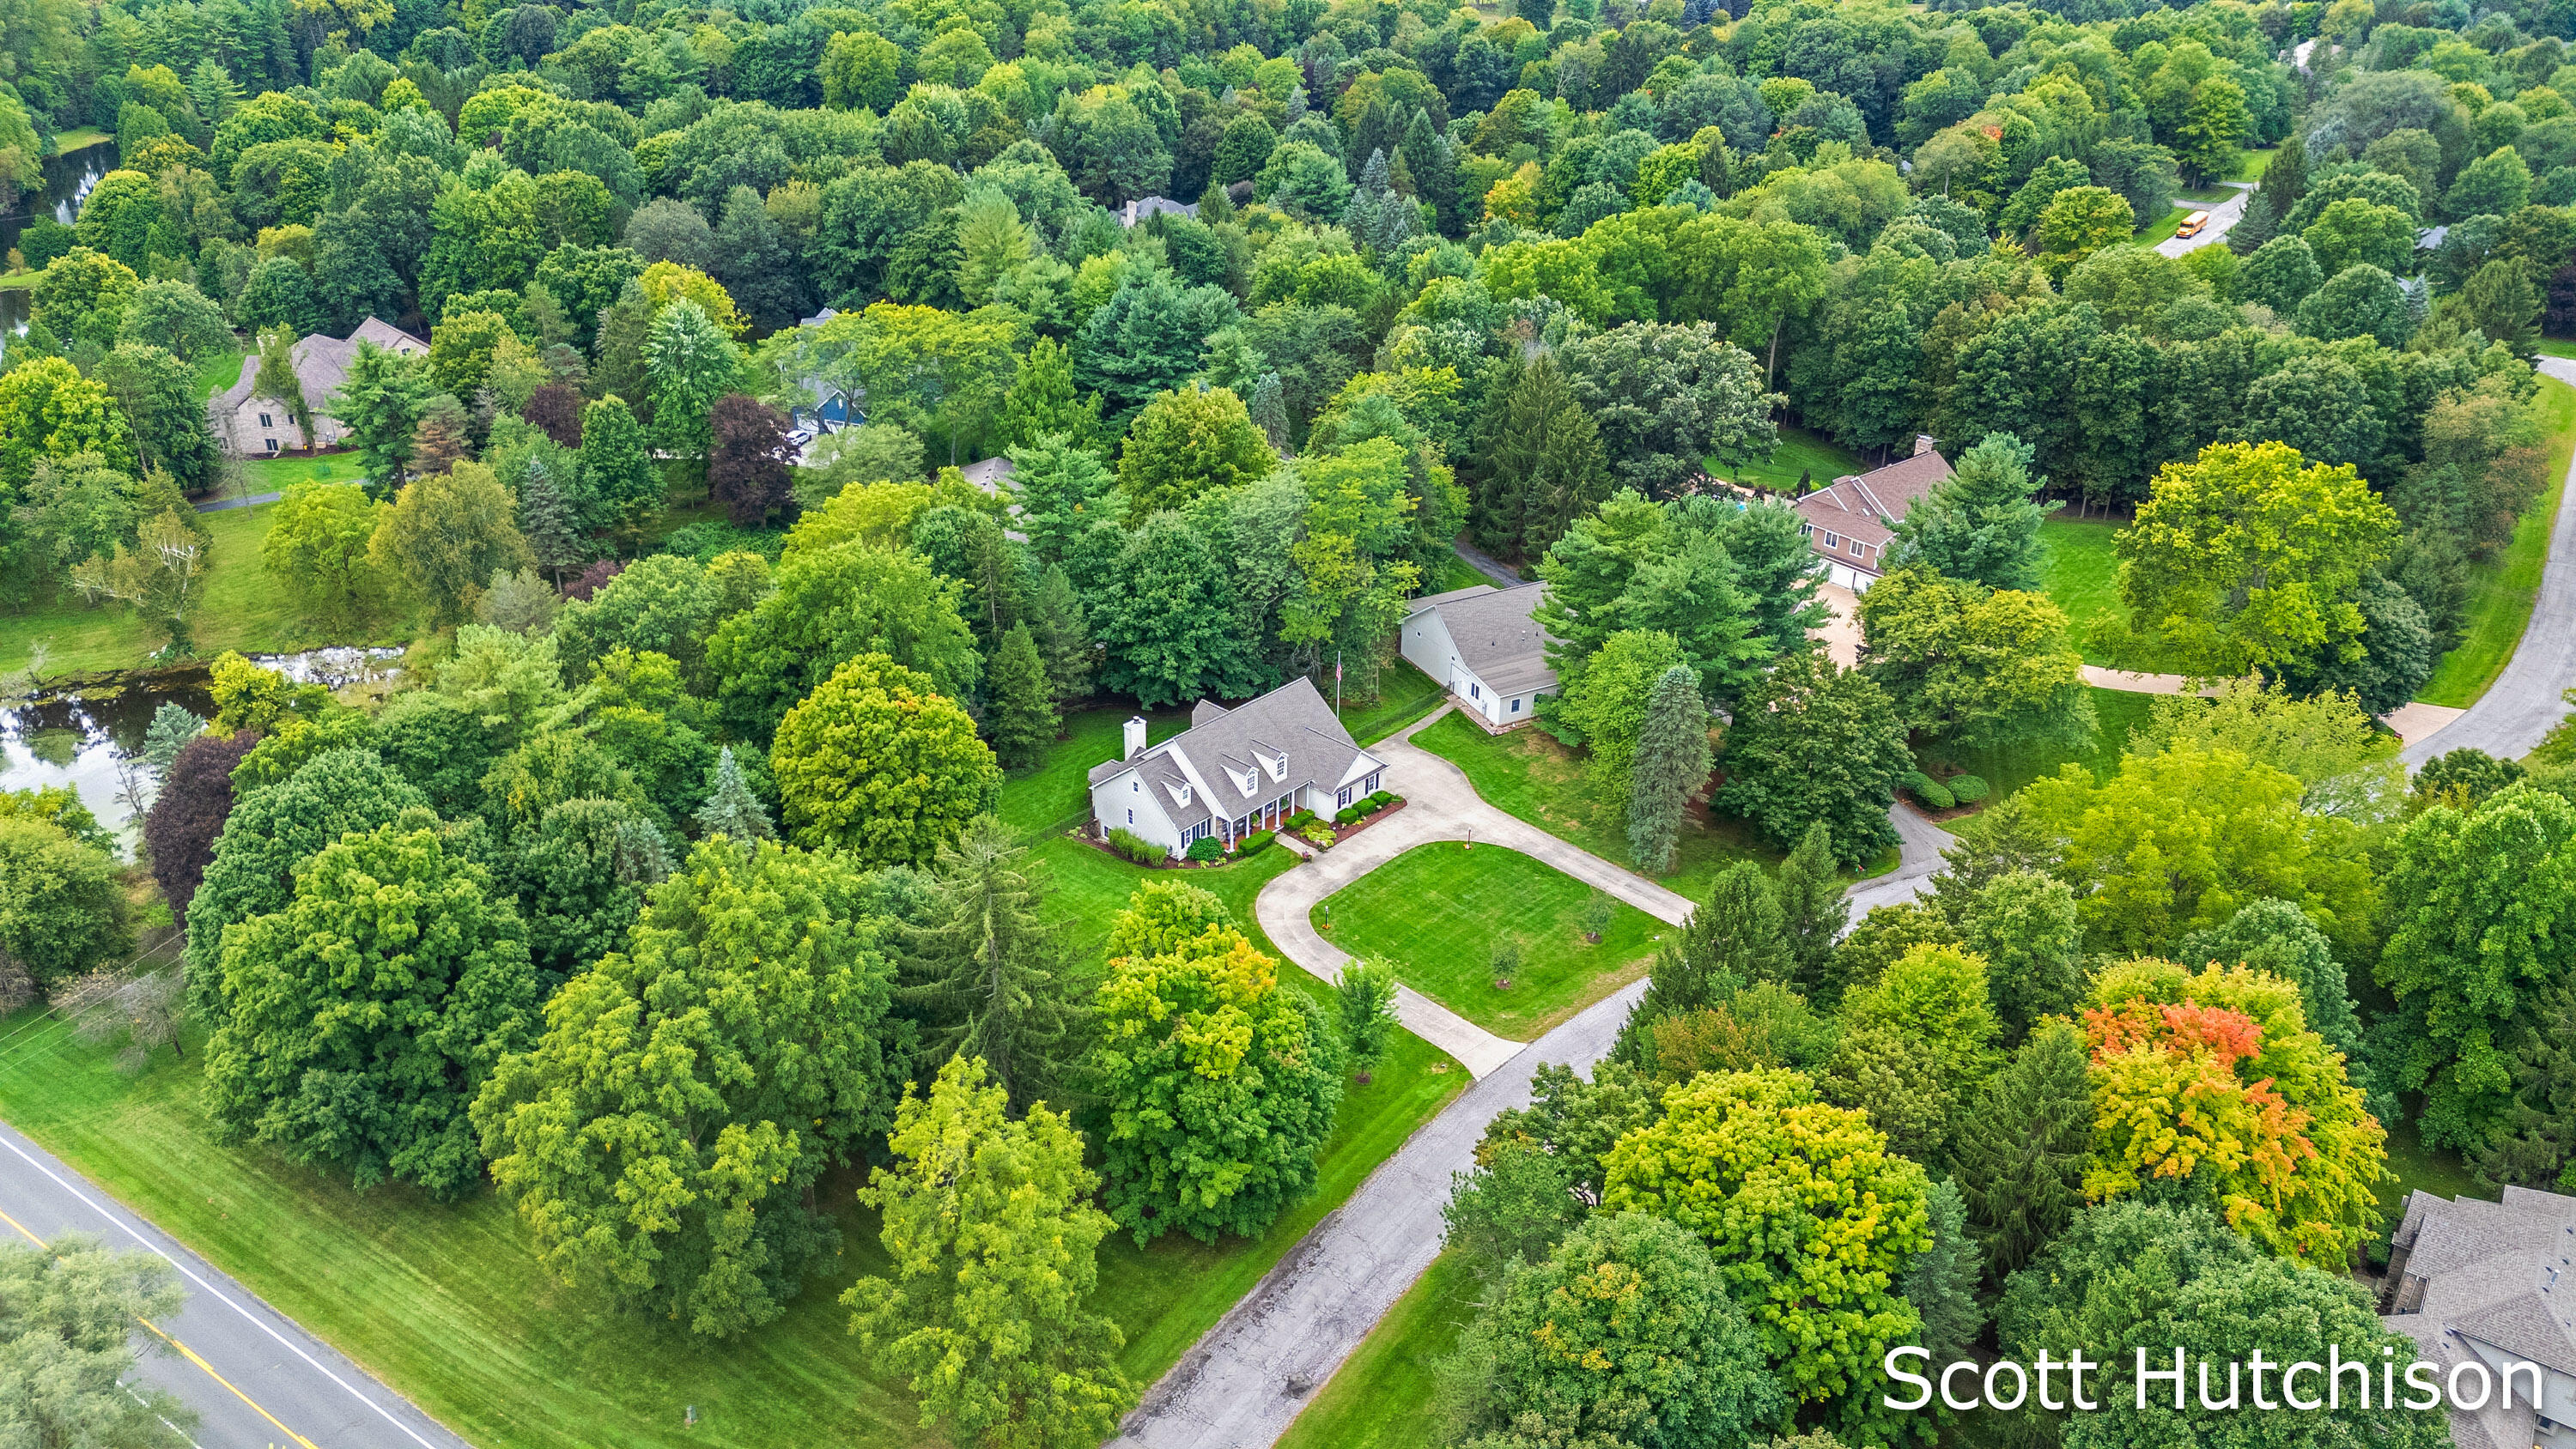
1337, 684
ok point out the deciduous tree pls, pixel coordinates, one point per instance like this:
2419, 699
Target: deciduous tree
876, 762
1812, 743
992, 1239
765, 962
359, 1022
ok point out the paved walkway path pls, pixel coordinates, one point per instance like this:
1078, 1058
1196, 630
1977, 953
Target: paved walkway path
219, 505
1439, 804
1246, 1381
256, 1380
1484, 563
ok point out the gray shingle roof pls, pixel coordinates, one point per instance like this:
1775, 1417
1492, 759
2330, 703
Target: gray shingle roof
1496, 635
321, 365
1286, 738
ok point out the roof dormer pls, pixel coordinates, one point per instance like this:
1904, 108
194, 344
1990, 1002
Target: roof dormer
1273, 759
1179, 790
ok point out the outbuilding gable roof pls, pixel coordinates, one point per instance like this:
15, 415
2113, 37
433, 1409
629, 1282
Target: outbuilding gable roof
1496, 634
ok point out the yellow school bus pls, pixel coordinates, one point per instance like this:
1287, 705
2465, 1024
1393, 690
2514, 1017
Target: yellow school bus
2192, 224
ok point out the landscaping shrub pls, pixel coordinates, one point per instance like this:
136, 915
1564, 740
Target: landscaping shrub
1966, 789
1137, 848
1257, 841
1383, 799
1206, 848
1348, 814
1928, 790
1317, 835
1299, 821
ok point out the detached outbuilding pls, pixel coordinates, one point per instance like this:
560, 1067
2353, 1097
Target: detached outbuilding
1484, 646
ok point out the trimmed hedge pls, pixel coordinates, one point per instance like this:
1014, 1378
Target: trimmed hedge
1929, 791
1253, 843
1137, 848
1966, 789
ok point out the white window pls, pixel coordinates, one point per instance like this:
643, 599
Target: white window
264, 422
272, 445
1806, 530
1131, 817
1833, 541
1133, 786
1475, 690
1369, 785
1343, 798
1516, 706
1855, 548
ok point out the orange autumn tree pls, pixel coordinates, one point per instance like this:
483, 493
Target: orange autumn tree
2209, 1087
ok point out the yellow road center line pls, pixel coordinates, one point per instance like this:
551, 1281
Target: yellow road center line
189, 1353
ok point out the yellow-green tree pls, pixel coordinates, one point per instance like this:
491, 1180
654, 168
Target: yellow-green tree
877, 763
993, 1241
1220, 1087
2249, 557
1809, 1217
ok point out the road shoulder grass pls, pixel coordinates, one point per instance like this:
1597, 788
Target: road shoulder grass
1382, 1396
1436, 913
2504, 587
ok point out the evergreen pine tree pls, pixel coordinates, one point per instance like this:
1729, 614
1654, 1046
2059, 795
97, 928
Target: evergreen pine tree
1270, 412
1813, 913
1063, 637
2538, 1146
1545, 466
2285, 180
1433, 165
1378, 218
1982, 523
1041, 399
2020, 1149
1941, 1282
731, 810
439, 441
546, 520
1726, 945
171, 728
1671, 762
988, 975
2259, 224
1022, 720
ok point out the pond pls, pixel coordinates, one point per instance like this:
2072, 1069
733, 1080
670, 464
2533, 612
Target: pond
68, 180
92, 739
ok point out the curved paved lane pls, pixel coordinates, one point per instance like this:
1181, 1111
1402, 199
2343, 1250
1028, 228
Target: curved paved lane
1246, 1381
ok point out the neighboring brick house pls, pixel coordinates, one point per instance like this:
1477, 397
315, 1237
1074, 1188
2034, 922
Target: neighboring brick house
1850, 521
1482, 645
2480, 1283
252, 426
1234, 771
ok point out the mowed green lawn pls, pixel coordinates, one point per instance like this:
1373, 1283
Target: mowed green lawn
1528, 774
1436, 913
2082, 575
1800, 454
2502, 588
2010, 767
1381, 1397
241, 607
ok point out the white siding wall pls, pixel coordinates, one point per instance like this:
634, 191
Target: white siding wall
1114, 799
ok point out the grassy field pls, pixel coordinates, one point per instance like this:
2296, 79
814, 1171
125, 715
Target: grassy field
2163, 230
2417, 1168
1404, 694
449, 1306
1455, 573
1528, 774
220, 371
1392, 1369
2250, 165
1436, 912
80, 138
1801, 453
2008, 769
2083, 573
2503, 587
242, 606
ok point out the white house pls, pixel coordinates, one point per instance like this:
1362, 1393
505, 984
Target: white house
2478, 1285
1234, 771
251, 425
1850, 521
1482, 644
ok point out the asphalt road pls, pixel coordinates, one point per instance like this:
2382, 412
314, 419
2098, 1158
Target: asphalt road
219, 505
256, 1380
2529, 697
